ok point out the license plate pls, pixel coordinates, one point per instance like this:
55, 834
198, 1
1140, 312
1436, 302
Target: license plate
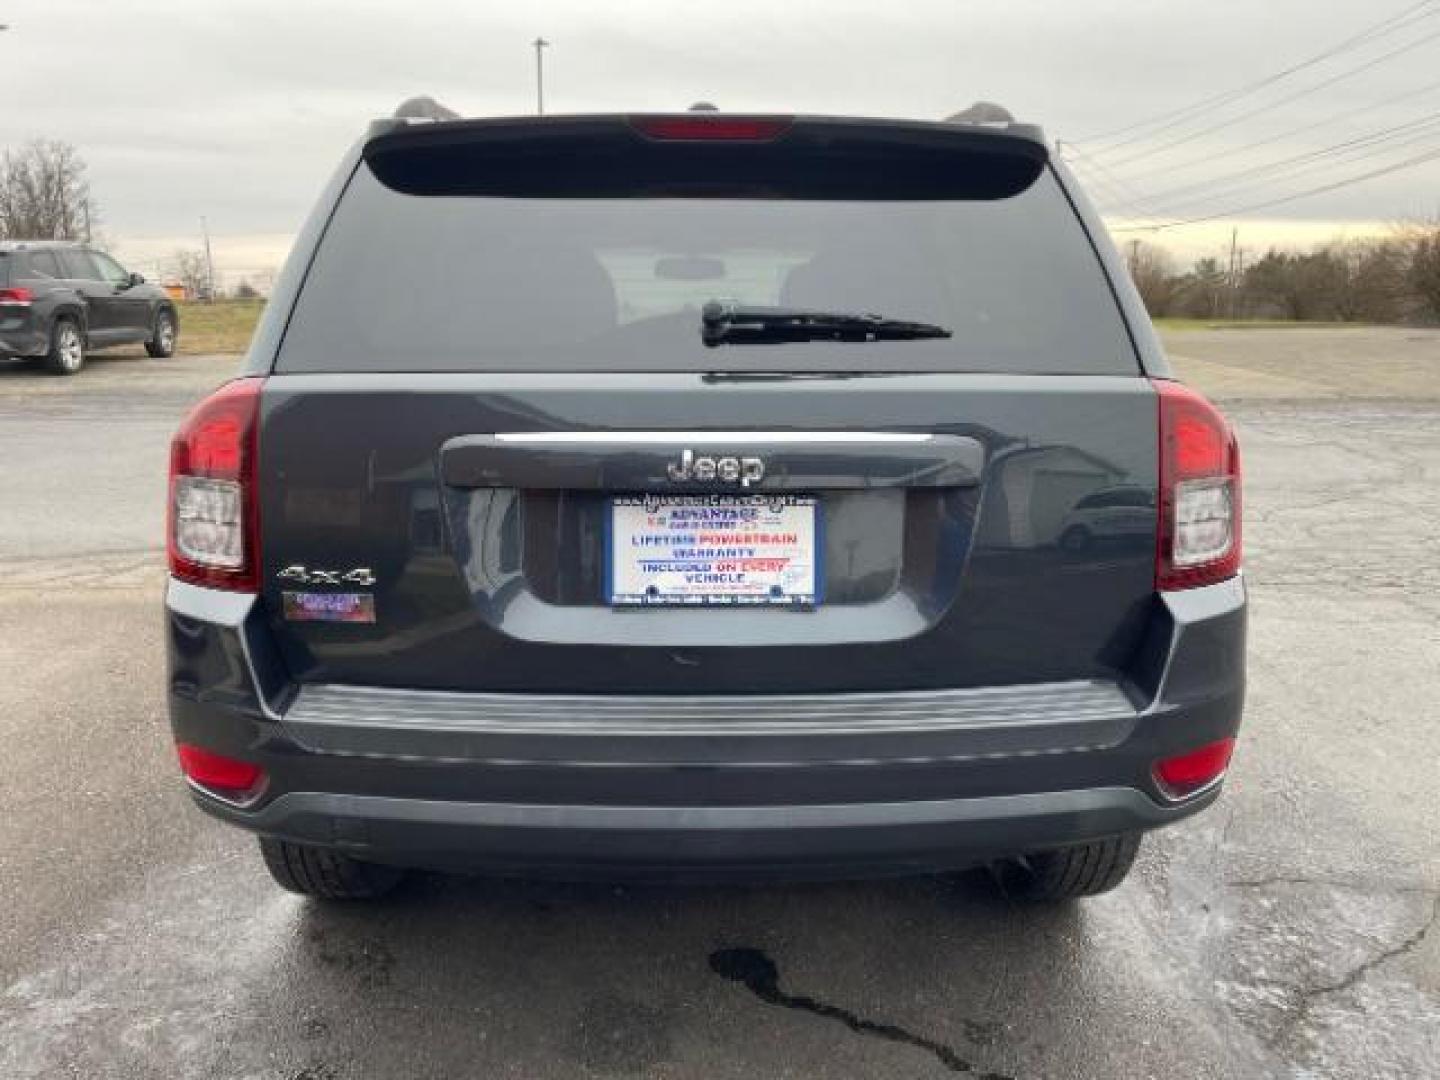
707, 550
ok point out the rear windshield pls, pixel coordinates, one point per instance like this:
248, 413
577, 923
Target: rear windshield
491, 283
7, 261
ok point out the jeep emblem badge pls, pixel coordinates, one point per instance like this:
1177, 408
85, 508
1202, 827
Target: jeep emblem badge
728, 470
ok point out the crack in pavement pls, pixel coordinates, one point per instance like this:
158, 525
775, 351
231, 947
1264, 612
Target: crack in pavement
116, 569
1409, 944
754, 970
1234, 812
1308, 996
1328, 883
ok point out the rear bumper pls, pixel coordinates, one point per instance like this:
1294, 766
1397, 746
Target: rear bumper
622, 786
20, 334
666, 841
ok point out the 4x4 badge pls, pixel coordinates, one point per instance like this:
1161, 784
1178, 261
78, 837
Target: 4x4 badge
311, 575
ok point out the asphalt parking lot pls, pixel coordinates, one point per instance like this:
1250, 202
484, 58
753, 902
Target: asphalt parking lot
1290, 931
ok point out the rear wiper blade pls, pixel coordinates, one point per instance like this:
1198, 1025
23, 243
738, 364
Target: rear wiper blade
735, 324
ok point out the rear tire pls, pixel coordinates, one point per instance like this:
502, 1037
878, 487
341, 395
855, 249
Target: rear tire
162, 336
1049, 877
67, 348
326, 874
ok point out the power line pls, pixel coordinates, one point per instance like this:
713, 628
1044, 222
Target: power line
1267, 204
1176, 116
1352, 151
1113, 193
1113, 196
1101, 175
1206, 159
1247, 190
1362, 145
1349, 74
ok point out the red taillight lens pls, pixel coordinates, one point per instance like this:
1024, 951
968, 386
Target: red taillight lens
16, 296
711, 127
1188, 773
214, 525
1199, 504
226, 775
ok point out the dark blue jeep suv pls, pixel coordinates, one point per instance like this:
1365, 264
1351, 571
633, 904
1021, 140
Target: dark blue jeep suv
696, 494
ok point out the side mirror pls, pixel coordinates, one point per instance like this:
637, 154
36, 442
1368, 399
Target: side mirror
136, 279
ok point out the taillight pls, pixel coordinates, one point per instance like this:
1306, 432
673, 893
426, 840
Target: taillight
1195, 770
226, 776
20, 297
709, 126
214, 527
1199, 503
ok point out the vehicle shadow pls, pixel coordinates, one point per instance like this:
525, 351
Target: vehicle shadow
918, 976
33, 368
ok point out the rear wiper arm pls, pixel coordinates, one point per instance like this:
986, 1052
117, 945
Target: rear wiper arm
734, 324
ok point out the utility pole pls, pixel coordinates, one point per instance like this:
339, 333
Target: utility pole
1234, 268
540, 46
209, 263
1239, 275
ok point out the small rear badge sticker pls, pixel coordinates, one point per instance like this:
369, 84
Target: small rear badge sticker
346, 607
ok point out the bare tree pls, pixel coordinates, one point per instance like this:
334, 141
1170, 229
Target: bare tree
1371, 280
1153, 272
192, 272
1202, 292
1374, 280
1302, 287
1422, 272
44, 194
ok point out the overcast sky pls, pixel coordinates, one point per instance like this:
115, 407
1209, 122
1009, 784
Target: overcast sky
238, 111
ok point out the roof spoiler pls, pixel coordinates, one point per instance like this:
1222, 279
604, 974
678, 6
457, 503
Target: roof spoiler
705, 155
983, 114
